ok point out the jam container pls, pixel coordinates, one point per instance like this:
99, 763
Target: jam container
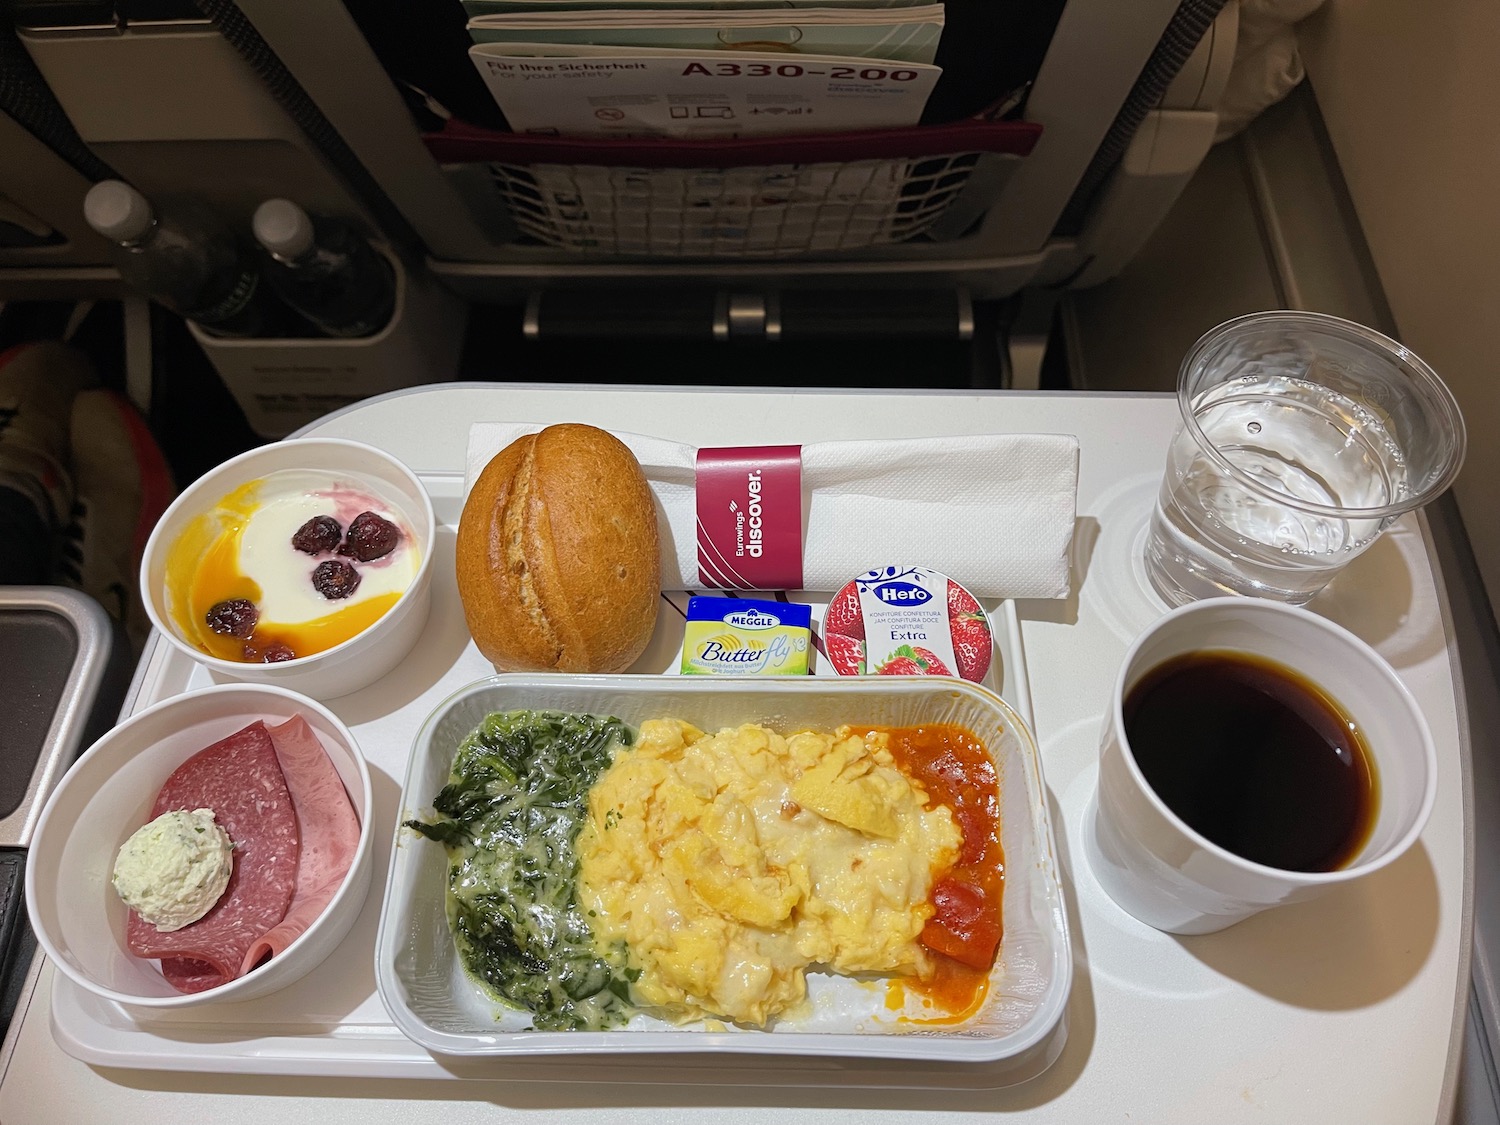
907, 621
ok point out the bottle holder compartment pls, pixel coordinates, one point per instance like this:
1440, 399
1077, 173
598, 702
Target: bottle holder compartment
751, 198
283, 384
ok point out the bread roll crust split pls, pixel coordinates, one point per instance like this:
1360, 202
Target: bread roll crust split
559, 554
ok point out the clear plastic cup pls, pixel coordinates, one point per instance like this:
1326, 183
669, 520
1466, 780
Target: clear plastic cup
1302, 438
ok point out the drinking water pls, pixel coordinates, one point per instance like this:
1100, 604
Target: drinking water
1314, 458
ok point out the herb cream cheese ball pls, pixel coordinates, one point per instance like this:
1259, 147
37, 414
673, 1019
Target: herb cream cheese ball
559, 554
172, 870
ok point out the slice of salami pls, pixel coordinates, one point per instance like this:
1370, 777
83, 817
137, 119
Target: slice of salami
330, 833
239, 778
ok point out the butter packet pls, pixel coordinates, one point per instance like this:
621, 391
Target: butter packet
746, 637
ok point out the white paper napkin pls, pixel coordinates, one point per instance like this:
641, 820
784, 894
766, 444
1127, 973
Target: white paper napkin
993, 511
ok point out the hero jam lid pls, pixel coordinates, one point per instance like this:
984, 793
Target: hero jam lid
907, 621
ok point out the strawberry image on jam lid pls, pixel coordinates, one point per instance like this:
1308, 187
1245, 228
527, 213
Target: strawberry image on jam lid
907, 621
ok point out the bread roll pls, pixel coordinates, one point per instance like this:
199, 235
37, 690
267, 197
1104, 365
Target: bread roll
559, 557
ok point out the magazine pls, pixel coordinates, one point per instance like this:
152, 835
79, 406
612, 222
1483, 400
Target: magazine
907, 35
585, 90
498, 7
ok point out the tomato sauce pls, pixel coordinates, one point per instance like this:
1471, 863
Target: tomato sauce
953, 766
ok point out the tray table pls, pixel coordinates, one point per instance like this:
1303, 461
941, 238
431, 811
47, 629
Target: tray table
1342, 1009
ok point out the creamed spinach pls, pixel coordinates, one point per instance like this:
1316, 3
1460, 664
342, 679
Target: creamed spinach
508, 817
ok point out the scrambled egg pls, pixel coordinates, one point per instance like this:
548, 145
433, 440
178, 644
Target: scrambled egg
729, 863
172, 870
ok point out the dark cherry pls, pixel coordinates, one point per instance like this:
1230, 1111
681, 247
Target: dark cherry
335, 579
370, 537
234, 617
319, 534
271, 654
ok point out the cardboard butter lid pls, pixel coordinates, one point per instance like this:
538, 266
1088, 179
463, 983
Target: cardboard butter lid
746, 636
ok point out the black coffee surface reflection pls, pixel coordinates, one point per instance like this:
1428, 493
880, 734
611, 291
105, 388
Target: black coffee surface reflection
1256, 758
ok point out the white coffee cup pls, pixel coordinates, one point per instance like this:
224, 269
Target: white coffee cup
1172, 877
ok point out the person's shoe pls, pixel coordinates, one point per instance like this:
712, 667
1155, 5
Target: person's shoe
38, 383
123, 486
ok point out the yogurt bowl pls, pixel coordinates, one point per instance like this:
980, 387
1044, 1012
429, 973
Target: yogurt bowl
305, 564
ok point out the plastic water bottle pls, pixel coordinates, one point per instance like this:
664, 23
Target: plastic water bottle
325, 270
184, 258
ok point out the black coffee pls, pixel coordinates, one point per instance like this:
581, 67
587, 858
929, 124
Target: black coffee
1256, 758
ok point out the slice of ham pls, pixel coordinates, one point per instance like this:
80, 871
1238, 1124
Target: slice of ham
240, 778
330, 834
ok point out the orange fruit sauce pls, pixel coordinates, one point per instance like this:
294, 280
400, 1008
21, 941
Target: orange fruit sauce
952, 764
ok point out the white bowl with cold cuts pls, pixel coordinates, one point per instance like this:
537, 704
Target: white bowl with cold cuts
306, 564
126, 881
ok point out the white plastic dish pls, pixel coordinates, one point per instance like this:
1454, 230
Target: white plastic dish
429, 997
363, 658
108, 794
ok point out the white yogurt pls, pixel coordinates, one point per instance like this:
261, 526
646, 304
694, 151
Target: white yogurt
284, 574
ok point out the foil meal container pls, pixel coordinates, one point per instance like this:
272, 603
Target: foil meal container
430, 998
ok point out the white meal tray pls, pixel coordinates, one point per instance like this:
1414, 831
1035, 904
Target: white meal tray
334, 1024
